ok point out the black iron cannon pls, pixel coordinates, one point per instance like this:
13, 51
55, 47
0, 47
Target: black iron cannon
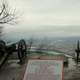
78, 51
7, 49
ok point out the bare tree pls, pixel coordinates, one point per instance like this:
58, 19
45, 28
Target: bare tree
30, 43
6, 15
43, 46
0, 31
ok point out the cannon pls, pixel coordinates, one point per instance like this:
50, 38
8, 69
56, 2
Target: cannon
7, 49
78, 52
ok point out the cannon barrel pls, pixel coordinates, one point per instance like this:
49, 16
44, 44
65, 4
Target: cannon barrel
7, 49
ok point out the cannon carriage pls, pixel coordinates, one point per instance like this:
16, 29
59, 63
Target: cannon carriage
7, 49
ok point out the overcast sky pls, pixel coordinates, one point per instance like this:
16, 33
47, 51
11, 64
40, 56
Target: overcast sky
46, 17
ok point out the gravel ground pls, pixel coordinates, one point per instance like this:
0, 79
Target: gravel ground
14, 71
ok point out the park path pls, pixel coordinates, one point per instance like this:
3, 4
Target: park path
13, 71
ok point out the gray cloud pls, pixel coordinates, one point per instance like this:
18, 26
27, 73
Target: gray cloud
48, 17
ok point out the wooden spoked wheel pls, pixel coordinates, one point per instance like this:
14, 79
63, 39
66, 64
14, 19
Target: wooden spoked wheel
21, 50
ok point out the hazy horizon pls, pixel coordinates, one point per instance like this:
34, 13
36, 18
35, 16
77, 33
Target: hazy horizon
46, 18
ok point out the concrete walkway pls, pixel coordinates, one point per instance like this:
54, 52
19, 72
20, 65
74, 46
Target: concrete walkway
13, 71
72, 72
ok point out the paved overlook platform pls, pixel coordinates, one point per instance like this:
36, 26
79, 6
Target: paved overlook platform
13, 71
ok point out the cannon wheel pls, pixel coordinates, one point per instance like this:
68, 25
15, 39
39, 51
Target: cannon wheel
21, 50
2, 48
3, 54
